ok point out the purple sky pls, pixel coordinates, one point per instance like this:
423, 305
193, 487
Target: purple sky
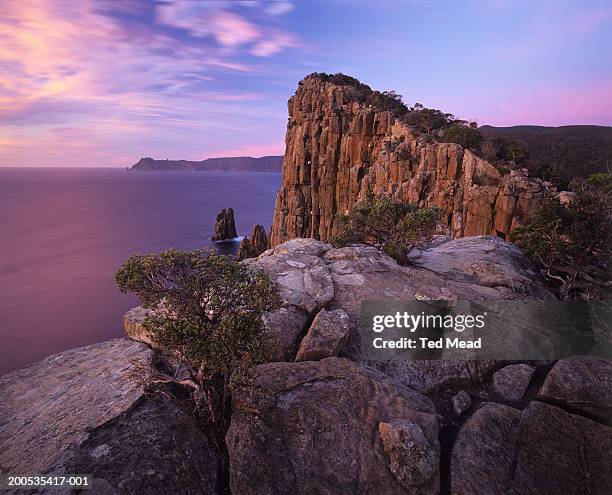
104, 82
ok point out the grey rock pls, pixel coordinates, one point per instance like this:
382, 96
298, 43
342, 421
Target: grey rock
461, 402
83, 411
503, 451
326, 336
413, 457
429, 376
283, 329
439, 297
312, 427
512, 381
583, 385
484, 260
303, 280
303, 246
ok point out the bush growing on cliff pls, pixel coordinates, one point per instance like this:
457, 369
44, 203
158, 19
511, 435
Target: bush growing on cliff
206, 310
391, 225
572, 242
467, 136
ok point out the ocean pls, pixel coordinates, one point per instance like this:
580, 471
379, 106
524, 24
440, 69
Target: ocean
64, 232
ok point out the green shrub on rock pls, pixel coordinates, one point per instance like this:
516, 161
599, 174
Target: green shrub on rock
206, 310
571, 241
391, 225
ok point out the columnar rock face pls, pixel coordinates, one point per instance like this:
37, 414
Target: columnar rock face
340, 151
225, 228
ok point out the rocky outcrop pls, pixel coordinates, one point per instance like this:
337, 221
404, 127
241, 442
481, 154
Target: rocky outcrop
319, 427
84, 411
251, 247
542, 449
330, 425
340, 150
313, 276
225, 228
583, 385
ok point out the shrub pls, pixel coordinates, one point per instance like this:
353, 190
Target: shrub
601, 181
206, 310
467, 136
571, 242
391, 225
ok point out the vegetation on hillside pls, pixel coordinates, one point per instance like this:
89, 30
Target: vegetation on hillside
391, 225
558, 153
571, 242
206, 312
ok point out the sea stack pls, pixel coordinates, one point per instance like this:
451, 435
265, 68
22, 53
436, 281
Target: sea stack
225, 228
253, 246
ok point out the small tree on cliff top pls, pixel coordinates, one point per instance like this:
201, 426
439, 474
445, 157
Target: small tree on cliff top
572, 242
206, 309
391, 225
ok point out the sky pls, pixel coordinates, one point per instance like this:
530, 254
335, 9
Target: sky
105, 82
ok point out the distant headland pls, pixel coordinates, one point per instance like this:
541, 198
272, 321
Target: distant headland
228, 164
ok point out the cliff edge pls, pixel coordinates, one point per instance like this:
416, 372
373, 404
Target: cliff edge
341, 149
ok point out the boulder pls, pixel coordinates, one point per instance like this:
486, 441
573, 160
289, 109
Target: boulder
303, 280
486, 261
543, 449
314, 427
581, 384
225, 227
413, 455
326, 336
83, 411
511, 382
283, 329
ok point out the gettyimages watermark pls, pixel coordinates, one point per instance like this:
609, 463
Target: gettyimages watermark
483, 330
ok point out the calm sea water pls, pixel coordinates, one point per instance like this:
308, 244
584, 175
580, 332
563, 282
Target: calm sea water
64, 232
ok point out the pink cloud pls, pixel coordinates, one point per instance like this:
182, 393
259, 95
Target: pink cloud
232, 30
228, 28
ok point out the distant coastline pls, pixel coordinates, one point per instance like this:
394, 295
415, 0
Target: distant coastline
228, 164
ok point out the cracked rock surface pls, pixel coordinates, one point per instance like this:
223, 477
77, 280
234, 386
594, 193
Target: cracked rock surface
81, 411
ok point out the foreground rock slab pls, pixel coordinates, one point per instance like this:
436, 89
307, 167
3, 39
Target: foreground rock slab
313, 427
82, 411
543, 449
583, 385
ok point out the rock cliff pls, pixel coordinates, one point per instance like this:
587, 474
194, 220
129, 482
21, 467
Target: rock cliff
340, 150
